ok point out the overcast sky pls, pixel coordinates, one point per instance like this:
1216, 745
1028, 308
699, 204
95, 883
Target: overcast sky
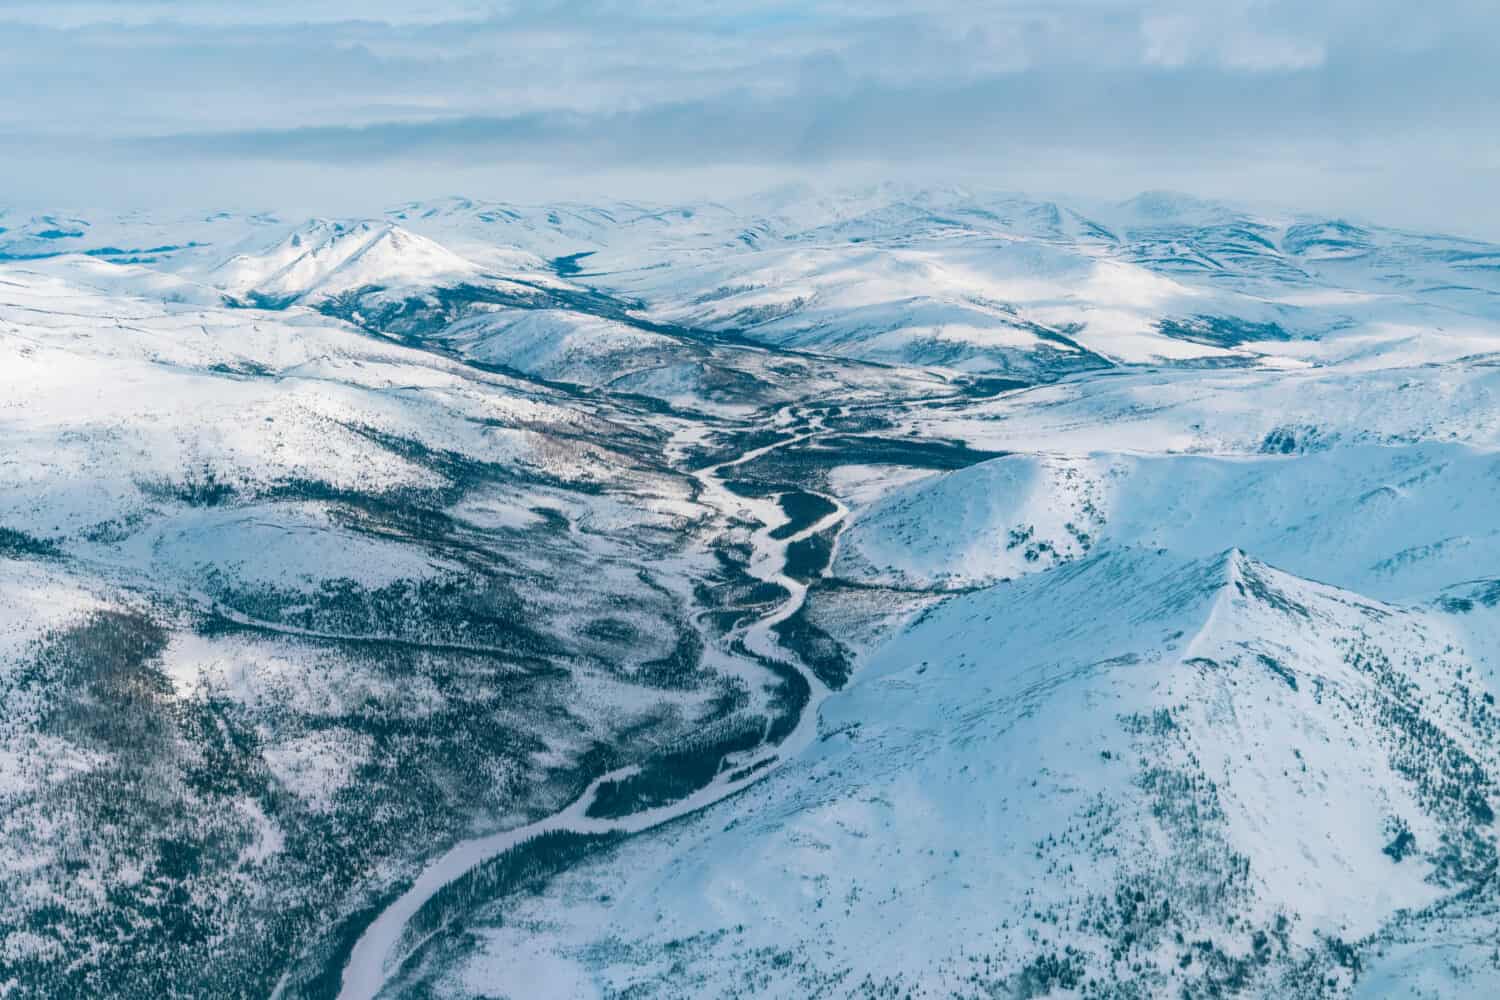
1385, 109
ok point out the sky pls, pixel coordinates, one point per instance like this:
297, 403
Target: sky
1384, 110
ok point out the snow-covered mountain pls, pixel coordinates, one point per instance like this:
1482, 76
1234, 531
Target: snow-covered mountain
1151, 775
323, 259
895, 592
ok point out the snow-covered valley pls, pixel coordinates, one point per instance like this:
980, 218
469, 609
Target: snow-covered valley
898, 593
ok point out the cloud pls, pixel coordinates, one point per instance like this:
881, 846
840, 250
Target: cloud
1354, 89
1225, 37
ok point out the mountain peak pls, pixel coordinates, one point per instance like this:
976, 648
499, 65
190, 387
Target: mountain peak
323, 257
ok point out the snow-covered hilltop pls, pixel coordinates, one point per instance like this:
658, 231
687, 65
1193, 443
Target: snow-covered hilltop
899, 592
323, 259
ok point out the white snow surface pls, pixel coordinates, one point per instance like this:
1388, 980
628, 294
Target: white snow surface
1399, 523
1214, 631
325, 258
999, 770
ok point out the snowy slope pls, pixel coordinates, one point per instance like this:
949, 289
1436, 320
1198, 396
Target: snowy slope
1132, 770
1399, 523
558, 344
244, 556
324, 259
